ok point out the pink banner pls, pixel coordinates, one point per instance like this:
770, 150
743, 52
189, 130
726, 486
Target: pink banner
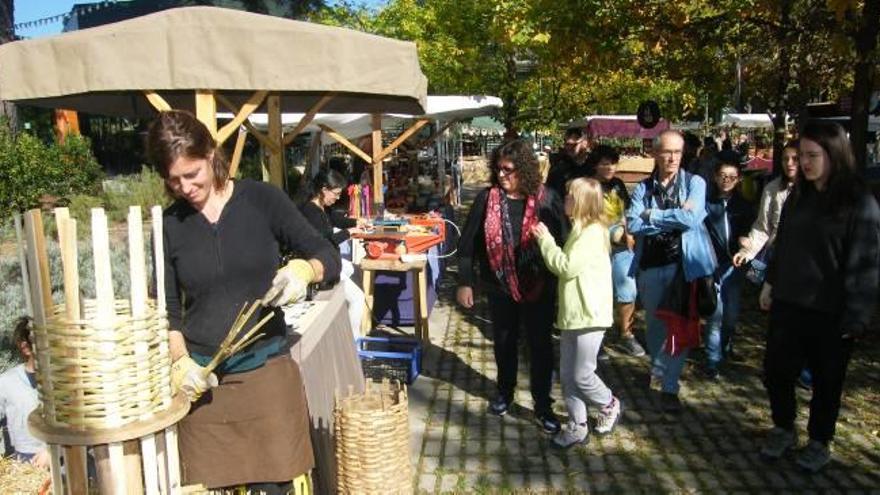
621, 128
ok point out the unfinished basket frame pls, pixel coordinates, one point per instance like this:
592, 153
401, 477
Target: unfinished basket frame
103, 365
372, 440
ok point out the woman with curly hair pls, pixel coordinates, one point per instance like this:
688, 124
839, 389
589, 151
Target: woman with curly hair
497, 238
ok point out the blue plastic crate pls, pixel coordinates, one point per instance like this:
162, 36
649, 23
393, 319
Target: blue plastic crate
394, 358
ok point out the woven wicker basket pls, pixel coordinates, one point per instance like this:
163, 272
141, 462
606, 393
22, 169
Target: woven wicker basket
103, 377
372, 441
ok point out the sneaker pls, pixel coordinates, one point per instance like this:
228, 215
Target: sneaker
814, 456
777, 443
805, 380
608, 417
499, 406
570, 436
548, 422
711, 373
670, 403
632, 347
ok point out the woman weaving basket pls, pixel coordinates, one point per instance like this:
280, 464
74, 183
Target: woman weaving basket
223, 244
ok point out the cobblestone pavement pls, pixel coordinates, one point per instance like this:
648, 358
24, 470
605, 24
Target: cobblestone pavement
711, 447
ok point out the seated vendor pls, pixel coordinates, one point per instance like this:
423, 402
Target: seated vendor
322, 193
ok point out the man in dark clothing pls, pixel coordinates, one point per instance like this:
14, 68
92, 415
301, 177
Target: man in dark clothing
568, 161
729, 217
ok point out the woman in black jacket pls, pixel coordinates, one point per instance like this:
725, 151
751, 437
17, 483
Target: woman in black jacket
322, 193
821, 288
497, 238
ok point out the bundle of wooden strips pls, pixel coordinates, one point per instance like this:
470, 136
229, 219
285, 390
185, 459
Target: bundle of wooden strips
372, 441
230, 345
22, 477
80, 358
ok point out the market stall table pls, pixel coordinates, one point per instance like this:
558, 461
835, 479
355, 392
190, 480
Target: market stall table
324, 347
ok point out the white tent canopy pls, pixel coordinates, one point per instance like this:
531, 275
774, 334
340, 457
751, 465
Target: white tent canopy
354, 125
748, 120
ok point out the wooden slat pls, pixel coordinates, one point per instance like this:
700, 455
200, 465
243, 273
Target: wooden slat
76, 464
131, 458
22, 259
339, 138
307, 118
376, 135
162, 461
236, 153
261, 137
244, 112
55, 470
157, 101
403, 137
149, 457
159, 272
173, 459
276, 156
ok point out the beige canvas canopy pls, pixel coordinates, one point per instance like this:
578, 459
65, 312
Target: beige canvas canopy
195, 58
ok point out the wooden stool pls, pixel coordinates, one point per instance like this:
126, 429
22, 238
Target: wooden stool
419, 290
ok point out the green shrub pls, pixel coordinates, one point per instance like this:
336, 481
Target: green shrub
145, 189
30, 169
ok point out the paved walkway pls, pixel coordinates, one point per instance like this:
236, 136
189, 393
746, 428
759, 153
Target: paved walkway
711, 447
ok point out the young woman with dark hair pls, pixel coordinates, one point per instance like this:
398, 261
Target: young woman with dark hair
821, 288
497, 237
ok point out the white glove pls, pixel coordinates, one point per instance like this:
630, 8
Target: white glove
191, 379
290, 283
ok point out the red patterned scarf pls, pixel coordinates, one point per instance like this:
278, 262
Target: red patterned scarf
521, 275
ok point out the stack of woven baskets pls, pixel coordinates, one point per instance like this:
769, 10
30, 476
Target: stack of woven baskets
372, 441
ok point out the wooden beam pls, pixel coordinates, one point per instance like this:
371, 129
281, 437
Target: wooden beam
309, 116
430, 139
261, 137
339, 138
403, 137
378, 197
246, 110
206, 109
276, 156
157, 101
236, 153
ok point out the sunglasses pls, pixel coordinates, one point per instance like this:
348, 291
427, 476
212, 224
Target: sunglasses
506, 170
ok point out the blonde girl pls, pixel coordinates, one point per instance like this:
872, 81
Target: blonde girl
585, 309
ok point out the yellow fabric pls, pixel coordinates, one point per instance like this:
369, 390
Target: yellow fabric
583, 268
614, 207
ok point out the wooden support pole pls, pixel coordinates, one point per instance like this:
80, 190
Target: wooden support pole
206, 110
157, 101
246, 110
261, 137
378, 196
276, 156
306, 120
339, 138
430, 139
22, 259
403, 137
237, 151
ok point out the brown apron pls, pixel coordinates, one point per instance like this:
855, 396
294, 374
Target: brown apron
253, 427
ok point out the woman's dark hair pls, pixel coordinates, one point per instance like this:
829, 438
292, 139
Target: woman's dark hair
524, 160
326, 177
844, 186
177, 133
602, 152
22, 332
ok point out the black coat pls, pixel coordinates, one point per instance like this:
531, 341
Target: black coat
740, 216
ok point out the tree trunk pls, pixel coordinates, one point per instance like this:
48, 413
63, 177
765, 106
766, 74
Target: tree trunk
782, 84
510, 110
866, 48
7, 34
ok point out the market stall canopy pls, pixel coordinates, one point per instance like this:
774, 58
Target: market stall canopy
105, 70
748, 120
618, 126
354, 125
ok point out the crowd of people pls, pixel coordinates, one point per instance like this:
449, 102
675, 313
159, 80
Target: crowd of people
564, 253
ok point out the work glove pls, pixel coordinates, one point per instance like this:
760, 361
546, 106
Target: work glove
190, 378
290, 283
